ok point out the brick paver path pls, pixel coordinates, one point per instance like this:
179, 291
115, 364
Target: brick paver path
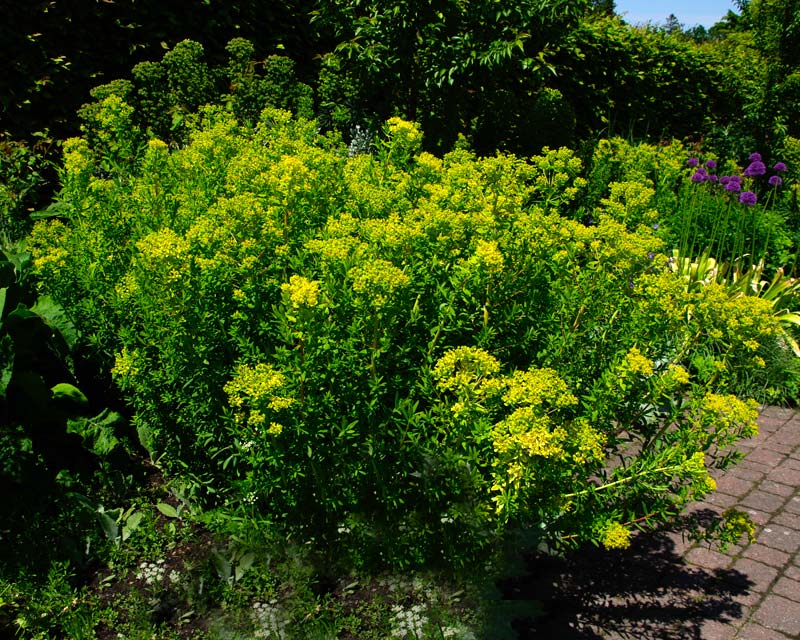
665, 588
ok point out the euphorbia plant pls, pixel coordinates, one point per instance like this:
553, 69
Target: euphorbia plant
398, 356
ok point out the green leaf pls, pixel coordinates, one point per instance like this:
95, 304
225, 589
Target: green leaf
6, 363
168, 510
109, 525
131, 524
243, 565
221, 565
56, 318
66, 391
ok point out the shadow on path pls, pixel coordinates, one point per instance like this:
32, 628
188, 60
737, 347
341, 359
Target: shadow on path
647, 592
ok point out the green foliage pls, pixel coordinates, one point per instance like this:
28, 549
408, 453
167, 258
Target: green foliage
25, 172
398, 357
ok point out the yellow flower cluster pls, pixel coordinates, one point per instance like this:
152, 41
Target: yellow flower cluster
77, 157
616, 536
527, 431
404, 133
636, 363
488, 256
257, 389
464, 367
301, 292
586, 442
727, 413
537, 387
126, 364
629, 203
378, 280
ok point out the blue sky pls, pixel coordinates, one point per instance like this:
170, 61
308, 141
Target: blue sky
689, 12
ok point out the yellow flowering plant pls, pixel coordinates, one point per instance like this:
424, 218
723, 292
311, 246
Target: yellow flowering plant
401, 358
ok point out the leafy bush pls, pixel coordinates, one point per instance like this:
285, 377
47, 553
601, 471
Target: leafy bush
400, 357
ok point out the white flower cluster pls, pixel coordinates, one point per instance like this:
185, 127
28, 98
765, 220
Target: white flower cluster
270, 619
408, 623
151, 572
457, 632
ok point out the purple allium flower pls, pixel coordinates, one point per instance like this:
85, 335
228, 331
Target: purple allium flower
733, 186
756, 168
779, 166
692, 162
724, 179
655, 227
737, 179
711, 164
699, 177
775, 181
748, 198
650, 256
713, 178
755, 157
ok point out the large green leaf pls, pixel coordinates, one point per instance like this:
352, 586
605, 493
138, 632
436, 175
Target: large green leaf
56, 318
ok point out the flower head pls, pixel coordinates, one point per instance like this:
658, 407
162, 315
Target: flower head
756, 168
755, 157
697, 176
724, 179
711, 164
775, 181
779, 166
748, 197
733, 186
692, 162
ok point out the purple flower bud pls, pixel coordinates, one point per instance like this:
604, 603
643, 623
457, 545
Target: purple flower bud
655, 227
755, 157
756, 168
692, 162
724, 180
775, 181
713, 178
779, 166
711, 164
733, 186
737, 179
748, 198
650, 256
699, 177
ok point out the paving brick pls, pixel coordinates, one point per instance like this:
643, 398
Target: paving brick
780, 614
753, 465
788, 434
779, 537
776, 488
746, 473
793, 505
759, 517
715, 630
721, 499
757, 632
763, 501
708, 558
733, 485
767, 555
792, 463
765, 456
785, 475
792, 573
759, 574
788, 588
786, 519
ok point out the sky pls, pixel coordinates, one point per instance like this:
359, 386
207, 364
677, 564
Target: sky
688, 12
